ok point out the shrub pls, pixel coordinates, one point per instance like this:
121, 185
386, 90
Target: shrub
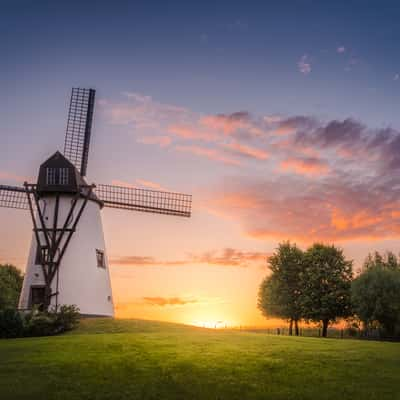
11, 324
66, 319
37, 323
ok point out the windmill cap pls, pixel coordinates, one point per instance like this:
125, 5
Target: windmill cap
58, 175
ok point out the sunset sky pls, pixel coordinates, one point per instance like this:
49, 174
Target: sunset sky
282, 120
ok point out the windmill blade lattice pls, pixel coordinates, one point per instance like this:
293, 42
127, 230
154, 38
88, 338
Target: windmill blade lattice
13, 197
79, 126
153, 201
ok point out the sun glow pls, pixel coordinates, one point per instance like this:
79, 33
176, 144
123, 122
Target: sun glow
213, 324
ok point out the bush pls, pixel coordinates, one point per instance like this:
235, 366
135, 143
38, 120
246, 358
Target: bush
66, 319
39, 324
36, 323
11, 324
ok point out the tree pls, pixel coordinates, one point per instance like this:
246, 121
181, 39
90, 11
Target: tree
376, 293
279, 294
387, 261
326, 285
10, 286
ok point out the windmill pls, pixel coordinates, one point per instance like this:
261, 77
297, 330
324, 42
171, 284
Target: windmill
67, 262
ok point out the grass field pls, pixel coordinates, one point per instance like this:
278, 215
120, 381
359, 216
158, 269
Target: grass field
129, 359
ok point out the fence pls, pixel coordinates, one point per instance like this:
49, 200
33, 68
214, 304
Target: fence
336, 333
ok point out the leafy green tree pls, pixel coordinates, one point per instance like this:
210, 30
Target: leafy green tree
326, 285
10, 286
376, 293
387, 261
279, 293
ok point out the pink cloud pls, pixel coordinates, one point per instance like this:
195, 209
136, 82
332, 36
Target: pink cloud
231, 123
191, 132
249, 151
305, 166
162, 141
139, 183
291, 208
304, 65
150, 184
226, 257
211, 154
9, 176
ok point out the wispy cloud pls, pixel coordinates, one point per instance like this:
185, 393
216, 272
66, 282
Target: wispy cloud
227, 257
329, 180
304, 64
305, 166
247, 151
168, 301
139, 183
211, 154
161, 140
396, 77
341, 49
356, 195
11, 177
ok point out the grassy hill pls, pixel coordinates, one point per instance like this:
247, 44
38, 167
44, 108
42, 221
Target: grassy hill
132, 359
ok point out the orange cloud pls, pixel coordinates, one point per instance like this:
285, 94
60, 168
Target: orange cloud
329, 209
305, 166
227, 257
211, 154
168, 301
361, 219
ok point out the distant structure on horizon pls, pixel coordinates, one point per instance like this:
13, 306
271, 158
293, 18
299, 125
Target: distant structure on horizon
67, 262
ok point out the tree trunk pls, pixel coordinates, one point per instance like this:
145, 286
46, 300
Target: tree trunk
291, 327
325, 323
296, 327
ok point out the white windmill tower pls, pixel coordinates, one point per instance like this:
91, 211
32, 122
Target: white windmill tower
67, 262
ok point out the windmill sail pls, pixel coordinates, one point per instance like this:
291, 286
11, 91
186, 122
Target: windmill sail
79, 126
153, 201
13, 197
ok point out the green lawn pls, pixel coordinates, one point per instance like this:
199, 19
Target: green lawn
129, 359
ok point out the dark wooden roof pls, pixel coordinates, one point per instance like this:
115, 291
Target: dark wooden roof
75, 180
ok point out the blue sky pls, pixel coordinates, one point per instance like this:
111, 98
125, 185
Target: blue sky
227, 98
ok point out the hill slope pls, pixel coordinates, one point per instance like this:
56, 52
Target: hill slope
131, 359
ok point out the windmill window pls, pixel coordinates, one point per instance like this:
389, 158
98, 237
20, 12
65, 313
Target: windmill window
51, 176
63, 176
101, 262
57, 176
41, 255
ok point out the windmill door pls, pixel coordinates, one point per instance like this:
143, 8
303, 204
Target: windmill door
37, 296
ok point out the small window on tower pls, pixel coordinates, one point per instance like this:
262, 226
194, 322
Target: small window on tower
101, 262
50, 176
41, 255
63, 176
57, 176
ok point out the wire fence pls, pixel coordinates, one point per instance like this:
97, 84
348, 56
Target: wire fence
335, 333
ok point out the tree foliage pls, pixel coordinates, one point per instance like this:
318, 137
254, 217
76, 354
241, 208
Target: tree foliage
279, 294
10, 286
376, 293
326, 285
